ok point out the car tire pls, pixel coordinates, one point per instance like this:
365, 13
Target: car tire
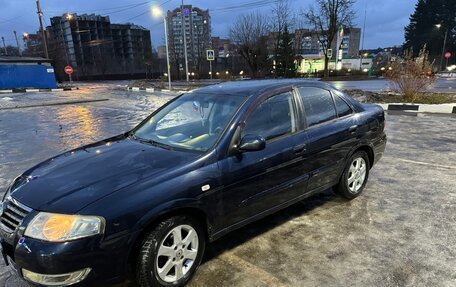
354, 177
165, 259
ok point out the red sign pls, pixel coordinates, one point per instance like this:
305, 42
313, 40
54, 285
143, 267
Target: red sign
448, 55
69, 70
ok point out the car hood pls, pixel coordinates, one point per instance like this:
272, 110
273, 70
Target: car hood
69, 182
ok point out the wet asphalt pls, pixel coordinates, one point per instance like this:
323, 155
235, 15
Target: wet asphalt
400, 232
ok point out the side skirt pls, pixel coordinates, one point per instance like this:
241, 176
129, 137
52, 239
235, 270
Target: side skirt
216, 235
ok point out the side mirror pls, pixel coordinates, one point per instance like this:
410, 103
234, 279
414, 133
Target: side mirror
252, 143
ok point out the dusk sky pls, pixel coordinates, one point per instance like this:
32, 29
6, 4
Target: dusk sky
384, 26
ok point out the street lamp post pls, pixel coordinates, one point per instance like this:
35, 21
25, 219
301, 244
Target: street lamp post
17, 43
43, 33
444, 44
157, 13
68, 17
185, 41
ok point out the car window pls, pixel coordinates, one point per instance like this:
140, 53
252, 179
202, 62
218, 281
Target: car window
342, 107
188, 112
193, 121
273, 118
318, 105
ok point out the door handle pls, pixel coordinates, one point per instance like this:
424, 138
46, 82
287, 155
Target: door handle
300, 149
352, 128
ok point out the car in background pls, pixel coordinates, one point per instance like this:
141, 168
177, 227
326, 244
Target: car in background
206, 163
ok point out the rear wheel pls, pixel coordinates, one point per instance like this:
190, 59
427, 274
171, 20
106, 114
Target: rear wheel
171, 253
354, 178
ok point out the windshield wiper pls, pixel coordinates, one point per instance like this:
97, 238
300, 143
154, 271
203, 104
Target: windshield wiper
152, 142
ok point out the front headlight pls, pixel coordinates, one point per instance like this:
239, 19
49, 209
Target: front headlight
61, 227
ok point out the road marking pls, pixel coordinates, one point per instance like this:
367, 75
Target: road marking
266, 277
427, 164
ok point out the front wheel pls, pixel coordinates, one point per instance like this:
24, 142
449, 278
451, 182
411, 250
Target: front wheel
354, 178
171, 253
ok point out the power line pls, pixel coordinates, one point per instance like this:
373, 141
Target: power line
139, 15
115, 9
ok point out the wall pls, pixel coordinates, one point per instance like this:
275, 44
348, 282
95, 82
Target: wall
27, 76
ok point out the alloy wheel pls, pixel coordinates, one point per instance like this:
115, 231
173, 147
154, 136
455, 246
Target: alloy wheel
356, 175
177, 253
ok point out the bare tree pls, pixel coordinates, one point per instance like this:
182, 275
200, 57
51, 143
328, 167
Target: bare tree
326, 19
282, 17
174, 58
249, 34
202, 42
411, 76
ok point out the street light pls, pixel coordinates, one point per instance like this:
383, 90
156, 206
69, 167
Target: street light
69, 16
157, 12
444, 43
25, 35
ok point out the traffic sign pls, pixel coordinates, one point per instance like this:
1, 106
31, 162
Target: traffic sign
210, 55
69, 70
448, 55
330, 53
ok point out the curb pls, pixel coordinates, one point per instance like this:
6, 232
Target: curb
152, 90
51, 103
23, 90
136, 89
421, 108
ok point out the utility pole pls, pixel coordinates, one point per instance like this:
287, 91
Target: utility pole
4, 46
364, 33
64, 42
17, 43
443, 49
43, 34
165, 22
185, 41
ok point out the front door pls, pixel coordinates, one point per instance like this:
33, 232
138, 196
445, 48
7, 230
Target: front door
257, 181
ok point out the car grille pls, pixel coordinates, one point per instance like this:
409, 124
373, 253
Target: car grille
13, 214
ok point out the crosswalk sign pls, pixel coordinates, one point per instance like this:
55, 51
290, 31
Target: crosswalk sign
210, 55
330, 53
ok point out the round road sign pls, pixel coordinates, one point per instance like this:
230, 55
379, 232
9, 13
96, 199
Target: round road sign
69, 70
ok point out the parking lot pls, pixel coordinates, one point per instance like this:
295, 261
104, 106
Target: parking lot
400, 232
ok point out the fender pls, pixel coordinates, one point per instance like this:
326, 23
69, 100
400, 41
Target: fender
169, 207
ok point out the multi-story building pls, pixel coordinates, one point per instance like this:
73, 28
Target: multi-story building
308, 45
132, 45
222, 47
350, 42
161, 52
197, 26
95, 47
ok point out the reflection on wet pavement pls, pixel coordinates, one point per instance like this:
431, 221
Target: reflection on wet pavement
28, 136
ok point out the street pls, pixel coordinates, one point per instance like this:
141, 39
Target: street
400, 232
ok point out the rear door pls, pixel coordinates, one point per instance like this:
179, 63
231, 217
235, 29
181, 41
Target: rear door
331, 131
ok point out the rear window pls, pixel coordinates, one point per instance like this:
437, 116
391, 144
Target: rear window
342, 107
318, 105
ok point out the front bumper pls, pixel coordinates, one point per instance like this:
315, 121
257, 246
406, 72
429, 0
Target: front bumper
106, 257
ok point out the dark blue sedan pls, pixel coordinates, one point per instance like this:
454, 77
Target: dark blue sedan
206, 163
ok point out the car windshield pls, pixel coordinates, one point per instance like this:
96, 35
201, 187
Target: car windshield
192, 122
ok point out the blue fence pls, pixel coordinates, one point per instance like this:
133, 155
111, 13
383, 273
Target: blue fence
27, 76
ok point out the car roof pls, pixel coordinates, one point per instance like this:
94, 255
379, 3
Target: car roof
249, 88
